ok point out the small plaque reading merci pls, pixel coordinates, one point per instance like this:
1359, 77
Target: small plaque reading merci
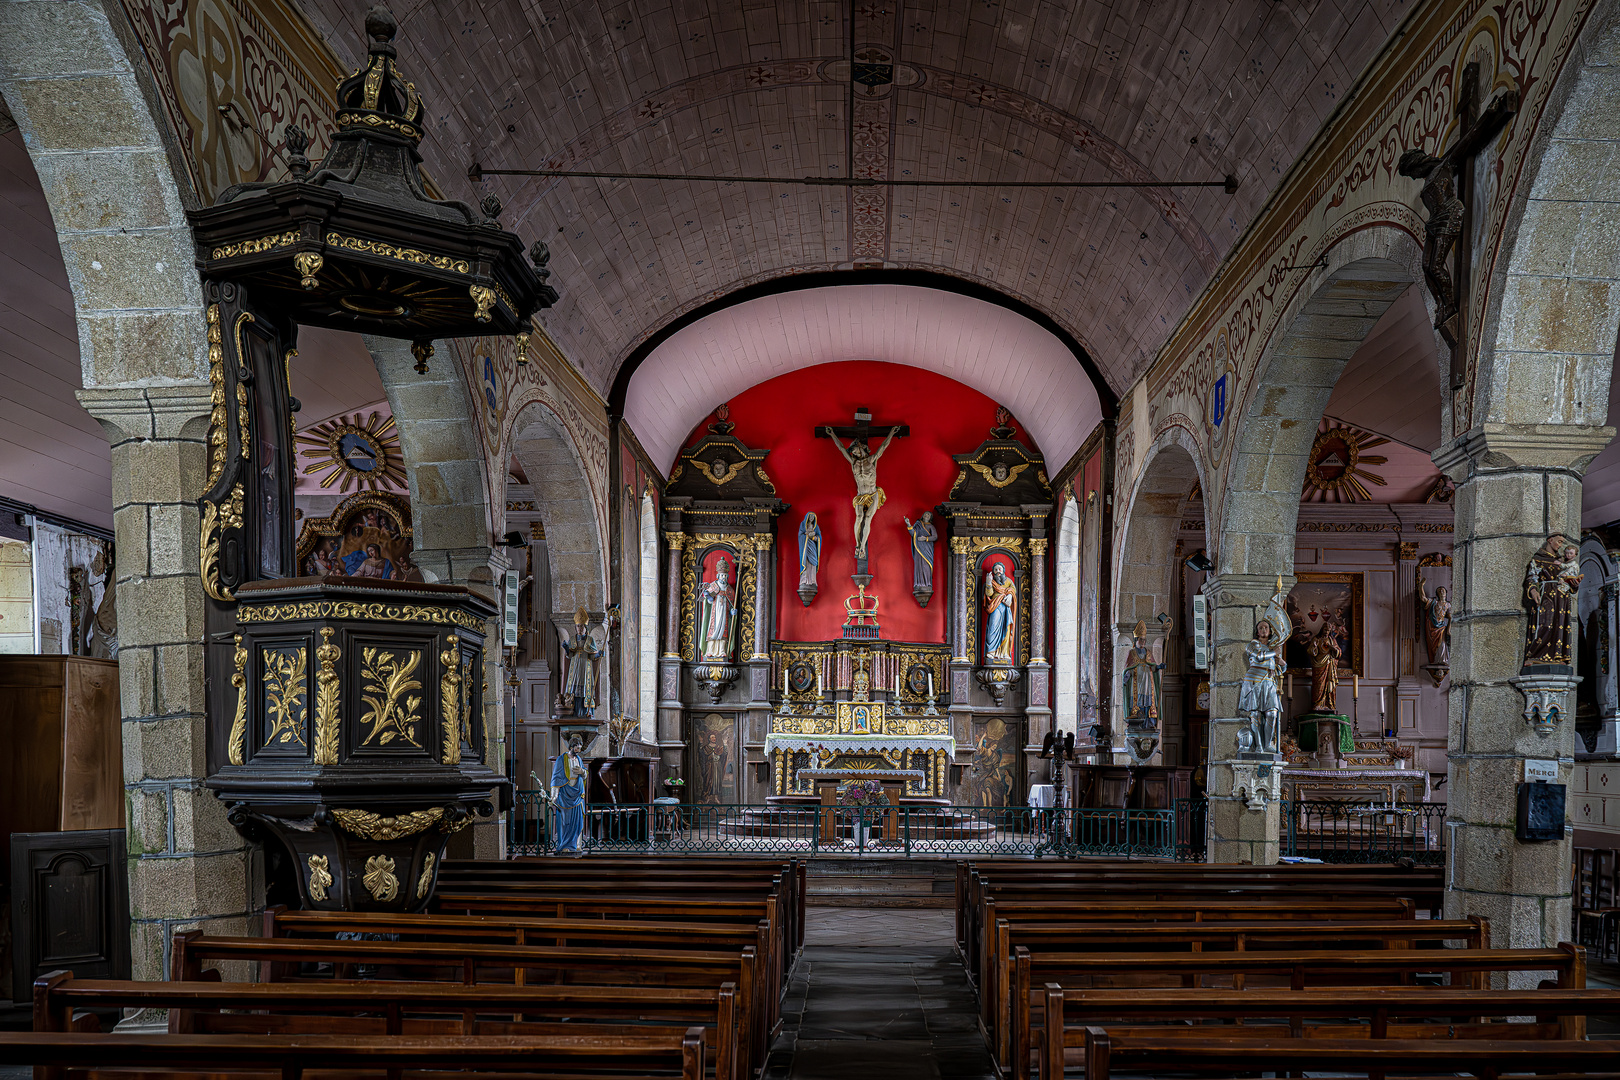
1540, 771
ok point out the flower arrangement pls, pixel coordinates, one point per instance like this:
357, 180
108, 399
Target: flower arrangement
1394, 752
863, 793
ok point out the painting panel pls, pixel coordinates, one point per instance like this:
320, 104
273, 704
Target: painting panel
714, 752
367, 536
1327, 603
992, 777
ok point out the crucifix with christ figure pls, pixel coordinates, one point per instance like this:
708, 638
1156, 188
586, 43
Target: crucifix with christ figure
1448, 192
869, 498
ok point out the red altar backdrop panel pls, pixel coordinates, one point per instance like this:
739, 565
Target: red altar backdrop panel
916, 474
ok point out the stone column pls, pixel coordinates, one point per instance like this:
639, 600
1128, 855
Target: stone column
1516, 485
1408, 650
764, 577
1237, 833
188, 867
669, 663
1039, 669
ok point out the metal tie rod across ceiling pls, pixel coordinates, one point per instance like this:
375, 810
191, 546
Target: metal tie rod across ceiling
477, 172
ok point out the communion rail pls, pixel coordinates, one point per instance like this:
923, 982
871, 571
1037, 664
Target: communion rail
1350, 832
908, 831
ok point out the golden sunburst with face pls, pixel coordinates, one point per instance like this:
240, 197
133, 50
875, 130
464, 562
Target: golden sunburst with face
1334, 472
361, 455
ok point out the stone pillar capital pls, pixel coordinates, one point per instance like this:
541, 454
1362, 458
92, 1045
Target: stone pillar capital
1244, 590
1521, 446
150, 412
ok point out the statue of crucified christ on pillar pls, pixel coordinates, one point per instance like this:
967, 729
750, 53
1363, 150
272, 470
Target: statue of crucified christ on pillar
869, 497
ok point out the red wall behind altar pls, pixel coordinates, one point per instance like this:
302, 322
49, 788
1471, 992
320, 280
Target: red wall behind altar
916, 474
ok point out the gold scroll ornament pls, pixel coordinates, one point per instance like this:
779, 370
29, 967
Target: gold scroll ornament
320, 877
236, 750
380, 881
326, 700
426, 879
392, 710
450, 699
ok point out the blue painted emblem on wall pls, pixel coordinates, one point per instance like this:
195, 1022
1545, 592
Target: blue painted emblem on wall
1217, 402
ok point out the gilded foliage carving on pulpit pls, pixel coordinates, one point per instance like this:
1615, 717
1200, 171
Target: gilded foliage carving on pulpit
392, 711
285, 696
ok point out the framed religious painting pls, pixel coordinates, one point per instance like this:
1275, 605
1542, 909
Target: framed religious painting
999, 616
1330, 604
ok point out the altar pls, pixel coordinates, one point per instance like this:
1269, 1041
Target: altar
815, 747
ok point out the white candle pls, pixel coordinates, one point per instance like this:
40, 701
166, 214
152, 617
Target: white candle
1380, 701
930, 684
784, 679
897, 685
819, 666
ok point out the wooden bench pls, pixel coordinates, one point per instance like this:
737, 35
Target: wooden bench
474, 962
1043, 937
792, 871
1385, 1012
1107, 1056
1425, 884
1012, 1035
982, 917
289, 1056
602, 905
278, 921
988, 968
411, 1009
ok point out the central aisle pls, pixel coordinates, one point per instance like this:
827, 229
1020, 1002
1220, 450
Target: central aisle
879, 994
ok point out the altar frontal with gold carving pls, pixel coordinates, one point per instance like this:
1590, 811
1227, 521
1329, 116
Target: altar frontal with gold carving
859, 739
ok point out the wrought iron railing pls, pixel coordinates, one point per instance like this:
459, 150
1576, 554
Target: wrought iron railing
1348, 832
909, 831
1192, 827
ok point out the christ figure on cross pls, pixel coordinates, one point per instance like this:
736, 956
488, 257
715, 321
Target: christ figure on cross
869, 498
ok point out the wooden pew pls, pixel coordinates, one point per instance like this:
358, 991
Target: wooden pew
409, 1009
1323, 968
1107, 1056
615, 1056
279, 922
793, 871
1043, 937
1426, 884
603, 905
979, 918
989, 968
1387, 1012
473, 962
1181, 890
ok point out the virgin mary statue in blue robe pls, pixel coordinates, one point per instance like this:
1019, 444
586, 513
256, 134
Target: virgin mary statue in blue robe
568, 795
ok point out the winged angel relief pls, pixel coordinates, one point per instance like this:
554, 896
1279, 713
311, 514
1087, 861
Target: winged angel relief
392, 711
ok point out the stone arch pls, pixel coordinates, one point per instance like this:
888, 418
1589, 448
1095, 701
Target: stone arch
1144, 566
1542, 392
1548, 343
1259, 500
647, 632
1066, 660
566, 504
118, 207
452, 513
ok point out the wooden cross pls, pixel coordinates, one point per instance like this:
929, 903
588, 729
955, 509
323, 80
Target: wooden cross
863, 429
1448, 192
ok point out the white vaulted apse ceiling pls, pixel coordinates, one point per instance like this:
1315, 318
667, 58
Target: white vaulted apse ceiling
997, 352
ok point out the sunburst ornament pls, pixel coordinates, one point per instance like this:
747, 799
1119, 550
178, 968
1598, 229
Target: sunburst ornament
360, 455
1334, 472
